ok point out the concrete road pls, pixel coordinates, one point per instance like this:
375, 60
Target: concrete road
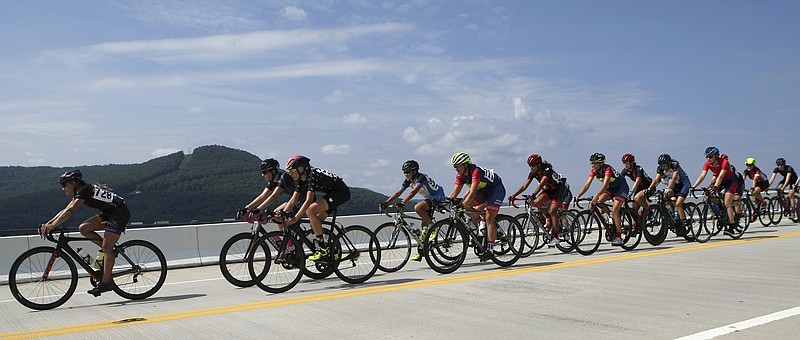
735, 289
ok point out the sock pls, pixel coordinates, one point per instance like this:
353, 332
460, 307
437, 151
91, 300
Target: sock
490, 247
321, 242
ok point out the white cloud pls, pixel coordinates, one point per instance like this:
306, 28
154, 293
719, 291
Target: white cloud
164, 151
333, 149
294, 13
337, 96
380, 163
354, 119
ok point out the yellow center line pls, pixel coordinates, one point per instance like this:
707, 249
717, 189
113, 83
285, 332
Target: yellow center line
368, 290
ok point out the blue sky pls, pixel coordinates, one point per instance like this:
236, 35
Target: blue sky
361, 86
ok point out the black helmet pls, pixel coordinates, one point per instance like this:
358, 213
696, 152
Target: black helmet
269, 164
597, 158
298, 161
780, 161
410, 165
664, 159
69, 176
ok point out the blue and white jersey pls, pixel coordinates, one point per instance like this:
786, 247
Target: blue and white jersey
428, 187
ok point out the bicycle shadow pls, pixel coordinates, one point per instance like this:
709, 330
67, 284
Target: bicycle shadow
152, 300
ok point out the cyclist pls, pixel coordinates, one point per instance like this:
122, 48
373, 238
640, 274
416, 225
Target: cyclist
760, 182
789, 180
424, 185
276, 181
614, 187
554, 188
671, 173
486, 190
309, 181
641, 181
114, 216
723, 180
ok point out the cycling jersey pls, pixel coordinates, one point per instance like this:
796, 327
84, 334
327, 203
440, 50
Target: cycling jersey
717, 169
787, 171
672, 168
490, 185
550, 179
617, 187
114, 213
285, 182
636, 172
320, 180
756, 175
428, 188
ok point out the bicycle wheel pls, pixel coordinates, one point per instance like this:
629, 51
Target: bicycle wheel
359, 254
395, 247
320, 269
142, 267
692, 220
530, 232
775, 211
233, 260
630, 228
765, 213
653, 228
707, 225
587, 231
446, 248
282, 268
508, 242
565, 223
39, 279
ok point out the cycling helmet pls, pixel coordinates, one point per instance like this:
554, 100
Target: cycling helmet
750, 161
298, 161
410, 165
664, 159
597, 158
628, 158
780, 161
460, 158
712, 150
534, 158
70, 176
269, 164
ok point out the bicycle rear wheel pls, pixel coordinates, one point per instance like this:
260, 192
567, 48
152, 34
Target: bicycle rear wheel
692, 220
508, 243
565, 223
707, 225
587, 231
446, 248
282, 266
39, 279
775, 211
320, 269
359, 254
233, 260
632, 235
395, 247
143, 269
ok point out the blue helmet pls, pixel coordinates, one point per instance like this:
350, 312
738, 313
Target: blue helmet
712, 150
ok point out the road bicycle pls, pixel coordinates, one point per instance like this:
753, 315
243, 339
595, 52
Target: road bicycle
537, 233
591, 226
280, 258
233, 257
662, 216
397, 238
45, 277
784, 207
748, 211
449, 239
713, 217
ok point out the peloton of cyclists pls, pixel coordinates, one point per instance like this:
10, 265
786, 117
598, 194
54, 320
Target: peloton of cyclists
614, 187
553, 188
432, 193
486, 191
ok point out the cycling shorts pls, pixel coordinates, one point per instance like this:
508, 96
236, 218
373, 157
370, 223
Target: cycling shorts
764, 185
681, 189
730, 185
618, 192
560, 195
337, 197
116, 221
494, 197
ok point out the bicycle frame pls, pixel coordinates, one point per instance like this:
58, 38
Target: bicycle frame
400, 223
62, 246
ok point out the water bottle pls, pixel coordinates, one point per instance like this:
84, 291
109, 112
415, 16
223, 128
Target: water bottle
414, 230
481, 228
715, 207
675, 215
83, 255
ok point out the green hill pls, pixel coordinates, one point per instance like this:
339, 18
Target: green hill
206, 186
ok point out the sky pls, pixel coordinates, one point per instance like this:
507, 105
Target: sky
362, 86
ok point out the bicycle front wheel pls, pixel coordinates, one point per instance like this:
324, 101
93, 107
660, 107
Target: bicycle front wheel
282, 266
509, 241
587, 231
360, 254
775, 211
653, 228
633, 235
530, 232
395, 247
41, 279
233, 260
446, 248
140, 270
708, 224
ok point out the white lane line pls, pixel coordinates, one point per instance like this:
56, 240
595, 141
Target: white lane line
734, 327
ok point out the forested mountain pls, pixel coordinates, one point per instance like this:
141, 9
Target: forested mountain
209, 184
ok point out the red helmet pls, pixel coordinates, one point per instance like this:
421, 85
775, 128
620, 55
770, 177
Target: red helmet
628, 158
534, 158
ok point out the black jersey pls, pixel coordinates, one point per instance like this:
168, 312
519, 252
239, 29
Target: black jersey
101, 199
638, 172
551, 178
285, 182
320, 180
788, 171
